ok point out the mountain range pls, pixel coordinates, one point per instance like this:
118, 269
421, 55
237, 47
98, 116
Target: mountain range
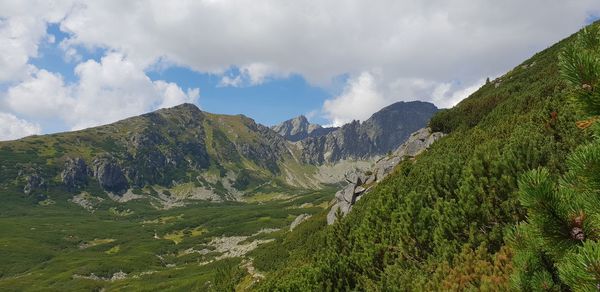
383, 132
220, 157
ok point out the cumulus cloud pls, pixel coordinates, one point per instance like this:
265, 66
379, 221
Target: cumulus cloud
107, 91
370, 91
444, 95
323, 39
12, 127
435, 50
251, 74
173, 95
22, 28
436, 44
41, 95
359, 100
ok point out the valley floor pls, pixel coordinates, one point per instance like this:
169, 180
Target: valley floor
202, 246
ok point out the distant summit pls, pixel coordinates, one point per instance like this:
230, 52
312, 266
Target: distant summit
384, 131
299, 128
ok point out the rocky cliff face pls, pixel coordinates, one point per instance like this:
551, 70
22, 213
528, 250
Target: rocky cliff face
75, 173
384, 131
359, 182
299, 128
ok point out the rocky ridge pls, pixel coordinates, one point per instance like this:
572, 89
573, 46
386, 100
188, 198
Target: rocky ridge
384, 131
299, 128
360, 182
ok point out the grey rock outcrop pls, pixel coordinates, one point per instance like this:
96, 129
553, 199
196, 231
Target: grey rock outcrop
301, 218
360, 183
33, 182
75, 174
299, 128
110, 176
384, 131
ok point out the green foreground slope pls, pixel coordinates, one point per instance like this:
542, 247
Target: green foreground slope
438, 223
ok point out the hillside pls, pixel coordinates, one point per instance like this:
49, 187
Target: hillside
220, 157
438, 222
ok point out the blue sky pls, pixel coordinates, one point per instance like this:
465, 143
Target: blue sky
72, 64
268, 103
591, 18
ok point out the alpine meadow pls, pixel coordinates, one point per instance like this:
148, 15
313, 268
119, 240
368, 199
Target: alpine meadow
237, 146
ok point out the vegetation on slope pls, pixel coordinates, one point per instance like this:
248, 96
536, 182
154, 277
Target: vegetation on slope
63, 247
558, 248
439, 223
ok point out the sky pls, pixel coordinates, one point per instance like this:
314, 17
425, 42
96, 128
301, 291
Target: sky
68, 65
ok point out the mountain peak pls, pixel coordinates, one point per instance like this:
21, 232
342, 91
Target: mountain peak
184, 107
298, 128
183, 110
300, 118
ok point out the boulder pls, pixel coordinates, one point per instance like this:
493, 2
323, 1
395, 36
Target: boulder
371, 178
345, 208
339, 195
349, 193
359, 190
331, 215
417, 143
356, 177
351, 177
385, 166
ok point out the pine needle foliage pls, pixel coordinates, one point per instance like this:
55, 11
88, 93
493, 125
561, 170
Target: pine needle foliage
558, 248
580, 67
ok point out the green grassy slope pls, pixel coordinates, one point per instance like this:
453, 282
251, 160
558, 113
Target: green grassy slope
438, 223
165, 148
53, 247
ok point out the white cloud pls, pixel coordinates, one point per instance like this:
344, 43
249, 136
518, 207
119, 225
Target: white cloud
230, 80
370, 91
107, 91
22, 28
251, 74
173, 95
117, 88
434, 40
41, 95
359, 100
12, 127
445, 96
431, 43
436, 50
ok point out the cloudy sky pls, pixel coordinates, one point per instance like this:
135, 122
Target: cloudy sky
68, 65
